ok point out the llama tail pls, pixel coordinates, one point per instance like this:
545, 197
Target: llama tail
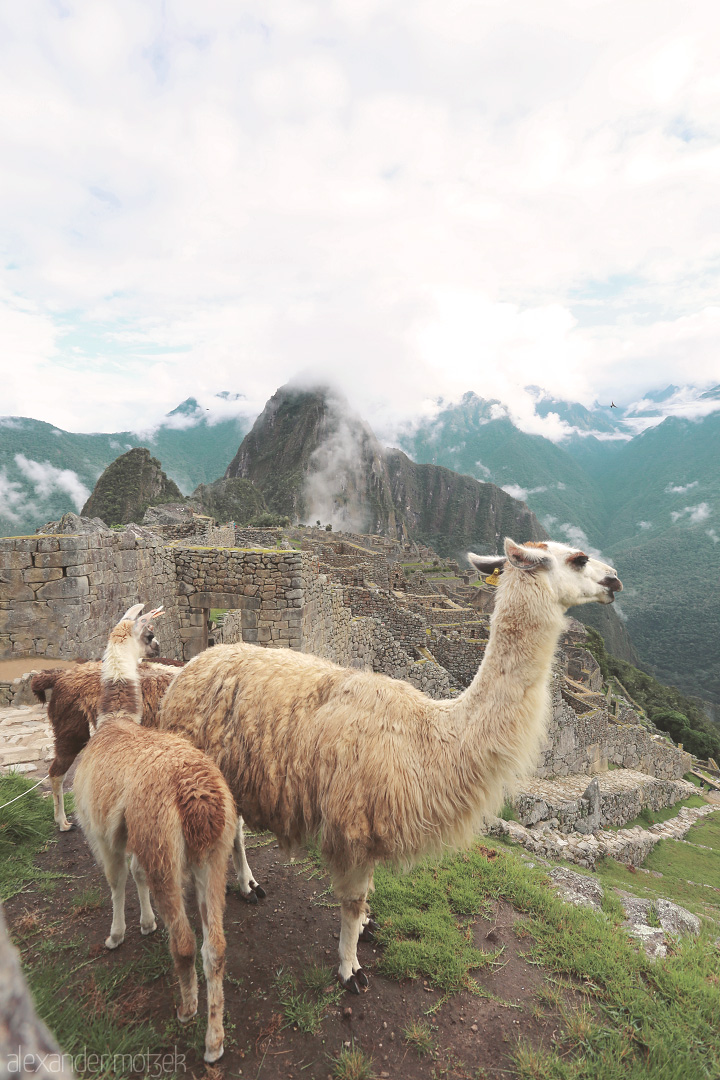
204, 805
45, 680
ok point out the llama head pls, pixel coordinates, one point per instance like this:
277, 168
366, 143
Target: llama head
571, 576
139, 630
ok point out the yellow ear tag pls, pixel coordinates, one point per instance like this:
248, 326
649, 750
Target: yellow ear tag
494, 577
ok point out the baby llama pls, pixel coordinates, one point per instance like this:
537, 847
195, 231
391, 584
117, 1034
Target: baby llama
155, 797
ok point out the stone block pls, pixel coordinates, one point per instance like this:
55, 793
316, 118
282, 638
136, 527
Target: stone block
56, 558
12, 586
38, 574
15, 560
48, 543
64, 589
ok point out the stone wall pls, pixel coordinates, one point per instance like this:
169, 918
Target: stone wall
63, 594
219, 536
592, 741
462, 656
408, 629
263, 538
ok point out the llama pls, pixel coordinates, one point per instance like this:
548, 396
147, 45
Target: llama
73, 709
370, 765
155, 796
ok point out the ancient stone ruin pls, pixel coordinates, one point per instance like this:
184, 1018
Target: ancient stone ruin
363, 601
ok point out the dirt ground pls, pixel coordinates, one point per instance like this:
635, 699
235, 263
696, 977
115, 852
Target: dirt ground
295, 927
13, 669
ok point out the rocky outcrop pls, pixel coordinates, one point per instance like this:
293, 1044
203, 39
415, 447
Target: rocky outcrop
128, 486
313, 459
231, 499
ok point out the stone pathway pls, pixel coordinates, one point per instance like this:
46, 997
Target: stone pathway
26, 740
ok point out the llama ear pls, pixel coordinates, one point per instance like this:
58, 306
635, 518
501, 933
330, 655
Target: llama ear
132, 612
150, 616
486, 563
527, 556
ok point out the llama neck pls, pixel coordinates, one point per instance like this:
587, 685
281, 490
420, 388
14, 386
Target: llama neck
120, 679
503, 713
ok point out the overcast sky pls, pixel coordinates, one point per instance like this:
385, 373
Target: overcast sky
412, 197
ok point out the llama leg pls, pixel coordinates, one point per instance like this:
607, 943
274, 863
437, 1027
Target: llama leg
249, 887
115, 865
210, 888
56, 783
170, 904
353, 912
147, 916
369, 927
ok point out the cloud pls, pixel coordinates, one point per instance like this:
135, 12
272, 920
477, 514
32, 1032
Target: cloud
46, 478
645, 524
713, 536
697, 513
571, 533
483, 470
13, 500
680, 489
334, 484
480, 215
522, 493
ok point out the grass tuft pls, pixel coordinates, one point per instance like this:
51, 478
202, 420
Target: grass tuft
306, 1008
352, 1064
419, 1037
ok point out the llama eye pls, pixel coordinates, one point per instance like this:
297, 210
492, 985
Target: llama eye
579, 561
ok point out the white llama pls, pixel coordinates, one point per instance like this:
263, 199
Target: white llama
369, 765
152, 795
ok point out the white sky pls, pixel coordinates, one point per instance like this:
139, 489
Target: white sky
412, 197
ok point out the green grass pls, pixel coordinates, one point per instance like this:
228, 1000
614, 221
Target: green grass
425, 919
641, 1020
305, 1001
26, 827
686, 869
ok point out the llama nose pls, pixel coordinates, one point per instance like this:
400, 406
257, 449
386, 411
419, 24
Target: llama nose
614, 584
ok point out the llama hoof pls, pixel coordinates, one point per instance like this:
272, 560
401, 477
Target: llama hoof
113, 942
353, 984
148, 929
68, 826
259, 891
250, 898
214, 1055
186, 1019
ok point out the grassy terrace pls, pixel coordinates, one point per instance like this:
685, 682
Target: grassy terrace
620, 1015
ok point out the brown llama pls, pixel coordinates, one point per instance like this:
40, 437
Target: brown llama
369, 765
156, 797
73, 709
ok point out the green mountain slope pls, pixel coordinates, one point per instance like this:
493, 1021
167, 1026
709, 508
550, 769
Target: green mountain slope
475, 439
44, 471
